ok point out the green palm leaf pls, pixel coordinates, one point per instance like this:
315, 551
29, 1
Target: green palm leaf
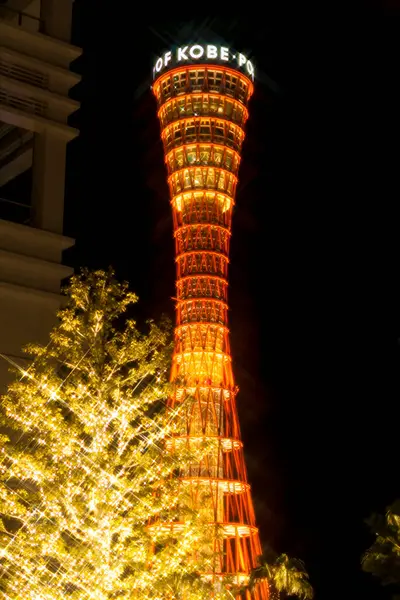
285, 575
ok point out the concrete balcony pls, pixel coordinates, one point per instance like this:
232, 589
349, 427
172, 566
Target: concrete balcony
35, 81
23, 30
30, 279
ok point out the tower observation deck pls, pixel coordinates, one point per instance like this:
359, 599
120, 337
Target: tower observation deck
202, 93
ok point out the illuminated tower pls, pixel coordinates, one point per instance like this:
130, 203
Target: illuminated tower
203, 93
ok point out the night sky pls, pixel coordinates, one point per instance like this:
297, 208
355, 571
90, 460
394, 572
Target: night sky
315, 311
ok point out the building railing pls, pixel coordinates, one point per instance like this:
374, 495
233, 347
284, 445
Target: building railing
27, 103
22, 19
10, 68
17, 212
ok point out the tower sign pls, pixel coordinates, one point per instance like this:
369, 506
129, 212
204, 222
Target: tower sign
204, 53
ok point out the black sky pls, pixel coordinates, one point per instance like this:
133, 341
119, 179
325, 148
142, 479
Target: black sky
314, 258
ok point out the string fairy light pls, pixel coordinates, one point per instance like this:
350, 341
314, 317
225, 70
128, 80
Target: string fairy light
81, 476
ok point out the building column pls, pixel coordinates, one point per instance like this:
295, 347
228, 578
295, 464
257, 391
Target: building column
48, 182
56, 18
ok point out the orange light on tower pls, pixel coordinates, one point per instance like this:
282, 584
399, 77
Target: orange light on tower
202, 93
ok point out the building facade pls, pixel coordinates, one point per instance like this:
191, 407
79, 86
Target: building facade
203, 93
35, 79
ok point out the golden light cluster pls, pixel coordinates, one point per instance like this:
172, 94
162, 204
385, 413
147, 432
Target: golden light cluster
84, 468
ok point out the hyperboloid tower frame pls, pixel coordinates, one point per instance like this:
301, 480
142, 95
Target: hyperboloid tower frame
202, 93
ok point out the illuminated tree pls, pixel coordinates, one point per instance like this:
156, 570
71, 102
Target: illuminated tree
85, 471
286, 576
382, 559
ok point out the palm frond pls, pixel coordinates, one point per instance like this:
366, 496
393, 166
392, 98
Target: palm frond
284, 574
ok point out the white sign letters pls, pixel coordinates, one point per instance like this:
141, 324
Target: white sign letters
203, 52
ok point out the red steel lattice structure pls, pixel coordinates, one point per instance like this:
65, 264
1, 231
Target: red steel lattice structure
203, 110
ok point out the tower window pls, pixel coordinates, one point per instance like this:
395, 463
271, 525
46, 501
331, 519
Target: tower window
196, 80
